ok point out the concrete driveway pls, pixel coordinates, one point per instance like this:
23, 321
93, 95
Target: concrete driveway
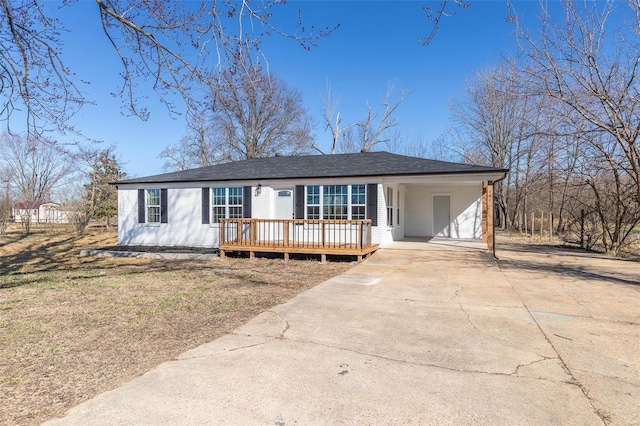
436, 333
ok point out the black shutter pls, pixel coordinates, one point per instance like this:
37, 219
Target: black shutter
163, 206
141, 214
246, 201
299, 209
205, 206
372, 203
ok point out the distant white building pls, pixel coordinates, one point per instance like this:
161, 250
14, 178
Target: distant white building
40, 212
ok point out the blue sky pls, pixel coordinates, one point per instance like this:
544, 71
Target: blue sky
375, 44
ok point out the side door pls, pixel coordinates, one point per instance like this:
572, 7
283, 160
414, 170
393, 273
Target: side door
441, 216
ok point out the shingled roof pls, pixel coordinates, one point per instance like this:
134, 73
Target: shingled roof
317, 166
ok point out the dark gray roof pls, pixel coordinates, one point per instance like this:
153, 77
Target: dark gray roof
317, 166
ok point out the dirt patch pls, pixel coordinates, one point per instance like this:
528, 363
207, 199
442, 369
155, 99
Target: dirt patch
74, 326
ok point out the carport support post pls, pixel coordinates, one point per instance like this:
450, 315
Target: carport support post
484, 213
490, 225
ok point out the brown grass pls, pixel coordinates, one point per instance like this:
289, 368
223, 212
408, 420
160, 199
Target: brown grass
72, 327
630, 251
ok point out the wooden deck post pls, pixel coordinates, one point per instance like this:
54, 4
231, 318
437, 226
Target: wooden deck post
286, 233
221, 240
490, 214
252, 232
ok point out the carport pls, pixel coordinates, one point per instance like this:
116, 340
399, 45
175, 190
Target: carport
449, 206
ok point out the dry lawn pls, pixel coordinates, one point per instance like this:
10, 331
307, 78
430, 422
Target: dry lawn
72, 327
630, 251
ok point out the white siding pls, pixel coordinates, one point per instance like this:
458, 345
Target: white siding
466, 210
388, 234
185, 228
379, 234
261, 206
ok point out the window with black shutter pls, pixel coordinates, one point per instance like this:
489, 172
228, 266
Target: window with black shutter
342, 202
153, 205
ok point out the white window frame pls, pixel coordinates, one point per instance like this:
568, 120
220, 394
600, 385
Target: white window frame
317, 205
363, 204
329, 210
388, 199
231, 210
398, 209
321, 205
235, 210
148, 206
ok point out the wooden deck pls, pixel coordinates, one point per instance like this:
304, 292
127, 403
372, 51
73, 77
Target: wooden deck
322, 237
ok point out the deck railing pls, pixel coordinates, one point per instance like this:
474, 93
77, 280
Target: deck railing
334, 235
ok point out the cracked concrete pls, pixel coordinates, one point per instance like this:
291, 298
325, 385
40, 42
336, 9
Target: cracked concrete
421, 334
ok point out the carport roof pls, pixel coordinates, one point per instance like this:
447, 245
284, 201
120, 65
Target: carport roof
318, 166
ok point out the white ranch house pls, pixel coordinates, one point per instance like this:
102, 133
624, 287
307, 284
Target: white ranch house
318, 203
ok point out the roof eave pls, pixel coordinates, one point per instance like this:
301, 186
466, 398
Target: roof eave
503, 172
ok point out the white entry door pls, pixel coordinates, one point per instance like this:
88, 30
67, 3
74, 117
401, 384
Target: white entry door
284, 204
441, 216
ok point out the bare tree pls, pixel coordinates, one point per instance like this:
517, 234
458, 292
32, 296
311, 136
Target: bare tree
436, 14
5, 200
332, 121
79, 205
255, 114
584, 225
492, 117
35, 168
5, 213
372, 130
565, 119
586, 70
580, 61
34, 78
445, 147
173, 45
90, 195
197, 148
250, 114
611, 194
446, 8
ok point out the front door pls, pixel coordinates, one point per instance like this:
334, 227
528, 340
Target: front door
284, 204
441, 216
